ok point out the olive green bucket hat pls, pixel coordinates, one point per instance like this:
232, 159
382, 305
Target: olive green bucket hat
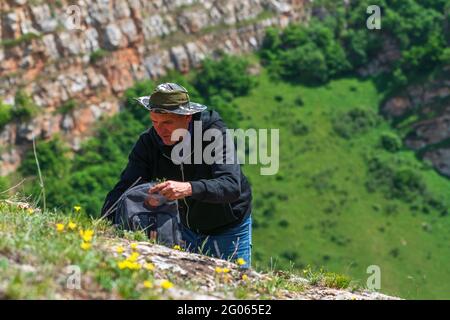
170, 98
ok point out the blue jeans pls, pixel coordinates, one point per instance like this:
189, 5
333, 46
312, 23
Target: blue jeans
231, 244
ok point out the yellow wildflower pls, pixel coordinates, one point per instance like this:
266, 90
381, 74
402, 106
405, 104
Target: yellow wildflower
120, 249
72, 225
86, 235
30, 210
244, 277
127, 264
149, 266
134, 245
77, 208
218, 270
123, 264
177, 247
85, 245
133, 257
134, 265
59, 227
166, 284
225, 270
240, 261
148, 284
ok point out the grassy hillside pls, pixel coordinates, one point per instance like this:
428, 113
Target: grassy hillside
65, 255
318, 209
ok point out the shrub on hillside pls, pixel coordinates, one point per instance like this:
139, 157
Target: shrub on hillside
395, 182
52, 157
299, 128
390, 142
305, 64
24, 107
354, 122
227, 74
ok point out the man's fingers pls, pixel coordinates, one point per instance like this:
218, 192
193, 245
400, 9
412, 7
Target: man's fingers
166, 191
158, 187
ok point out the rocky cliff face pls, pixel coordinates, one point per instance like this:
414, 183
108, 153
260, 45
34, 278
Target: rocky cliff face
426, 108
92, 50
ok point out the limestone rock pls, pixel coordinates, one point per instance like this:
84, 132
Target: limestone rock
114, 44
180, 58
201, 270
43, 18
113, 36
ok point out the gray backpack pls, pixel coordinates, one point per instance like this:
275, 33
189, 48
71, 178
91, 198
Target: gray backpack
160, 220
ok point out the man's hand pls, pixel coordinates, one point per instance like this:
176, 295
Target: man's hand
172, 190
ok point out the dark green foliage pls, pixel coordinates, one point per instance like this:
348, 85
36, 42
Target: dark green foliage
25, 38
5, 114
394, 252
98, 55
283, 223
299, 128
228, 109
227, 74
305, 64
278, 98
361, 45
309, 55
340, 42
355, 122
24, 107
299, 101
394, 181
391, 142
4, 185
67, 106
290, 255
52, 156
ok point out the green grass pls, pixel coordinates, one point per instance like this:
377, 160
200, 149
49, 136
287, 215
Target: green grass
98, 55
329, 217
25, 38
35, 255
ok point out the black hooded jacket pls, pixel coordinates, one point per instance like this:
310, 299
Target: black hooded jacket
221, 195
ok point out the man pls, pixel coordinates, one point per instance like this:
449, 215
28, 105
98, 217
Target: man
214, 199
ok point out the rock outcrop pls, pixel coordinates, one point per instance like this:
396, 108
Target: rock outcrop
200, 269
428, 105
60, 268
90, 51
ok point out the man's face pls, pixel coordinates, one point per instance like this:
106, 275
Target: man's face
166, 123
